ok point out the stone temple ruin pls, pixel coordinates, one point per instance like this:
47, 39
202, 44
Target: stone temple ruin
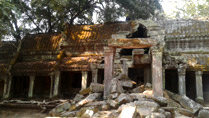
172, 55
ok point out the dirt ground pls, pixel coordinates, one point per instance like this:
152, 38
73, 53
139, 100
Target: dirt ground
21, 113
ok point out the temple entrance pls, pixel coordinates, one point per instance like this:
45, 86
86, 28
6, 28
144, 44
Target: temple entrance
42, 86
1, 88
20, 86
137, 75
205, 81
190, 84
171, 80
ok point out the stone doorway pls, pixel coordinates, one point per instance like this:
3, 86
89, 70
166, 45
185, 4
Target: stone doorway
137, 75
20, 86
205, 81
190, 84
171, 80
42, 86
100, 76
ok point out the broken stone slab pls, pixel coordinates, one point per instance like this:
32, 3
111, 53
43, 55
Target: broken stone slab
113, 103
115, 86
69, 114
106, 114
160, 100
203, 113
113, 95
85, 91
185, 112
97, 103
88, 99
186, 102
60, 108
145, 108
78, 97
169, 109
137, 96
156, 115
126, 84
148, 93
122, 76
96, 88
87, 114
128, 111
138, 89
124, 98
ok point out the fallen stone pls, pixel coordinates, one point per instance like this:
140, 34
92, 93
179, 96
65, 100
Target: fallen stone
69, 114
113, 95
115, 86
126, 84
138, 89
60, 108
148, 85
78, 97
85, 91
103, 114
124, 98
88, 99
167, 114
185, 112
145, 108
122, 76
148, 93
160, 100
137, 96
204, 113
169, 109
87, 114
113, 103
156, 115
186, 102
96, 88
97, 103
128, 111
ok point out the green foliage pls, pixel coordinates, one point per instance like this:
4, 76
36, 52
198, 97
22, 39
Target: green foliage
19, 17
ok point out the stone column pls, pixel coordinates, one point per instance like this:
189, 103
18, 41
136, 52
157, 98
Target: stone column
31, 86
199, 87
56, 83
51, 85
125, 67
84, 80
5, 87
157, 83
147, 75
181, 80
163, 78
94, 75
108, 69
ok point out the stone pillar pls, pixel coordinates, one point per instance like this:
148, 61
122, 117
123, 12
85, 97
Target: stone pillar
181, 80
5, 87
108, 69
163, 78
157, 83
51, 85
94, 75
199, 87
147, 75
31, 86
84, 80
56, 83
125, 67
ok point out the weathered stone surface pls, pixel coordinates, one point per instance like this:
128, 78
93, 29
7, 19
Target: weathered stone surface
145, 108
126, 83
169, 109
186, 102
97, 88
97, 103
156, 115
185, 112
113, 103
204, 113
148, 85
69, 114
105, 114
124, 98
128, 111
87, 114
114, 95
148, 93
137, 96
115, 86
88, 99
160, 100
85, 91
78, 97
60, 108
138, 89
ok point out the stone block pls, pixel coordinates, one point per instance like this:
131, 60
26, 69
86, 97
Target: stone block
204, 113
78, 97
126, 84
128, 111
138, 89
87, 114
124, 98
85, 91
69, 114
60, 108
96, 88
156, 115
113, 103
137, 96
115, 86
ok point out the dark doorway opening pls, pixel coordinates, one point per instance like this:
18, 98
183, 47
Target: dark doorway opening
140, 33
70, 83
171, 80
205, 81
137, 75
126, 52
1, 88
190, 84
89, 78
100, 76
20, 86
42, 86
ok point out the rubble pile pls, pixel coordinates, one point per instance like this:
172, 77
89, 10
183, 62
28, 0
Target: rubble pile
128, 101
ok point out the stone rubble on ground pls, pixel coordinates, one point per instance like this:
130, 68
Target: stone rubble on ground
128, 101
